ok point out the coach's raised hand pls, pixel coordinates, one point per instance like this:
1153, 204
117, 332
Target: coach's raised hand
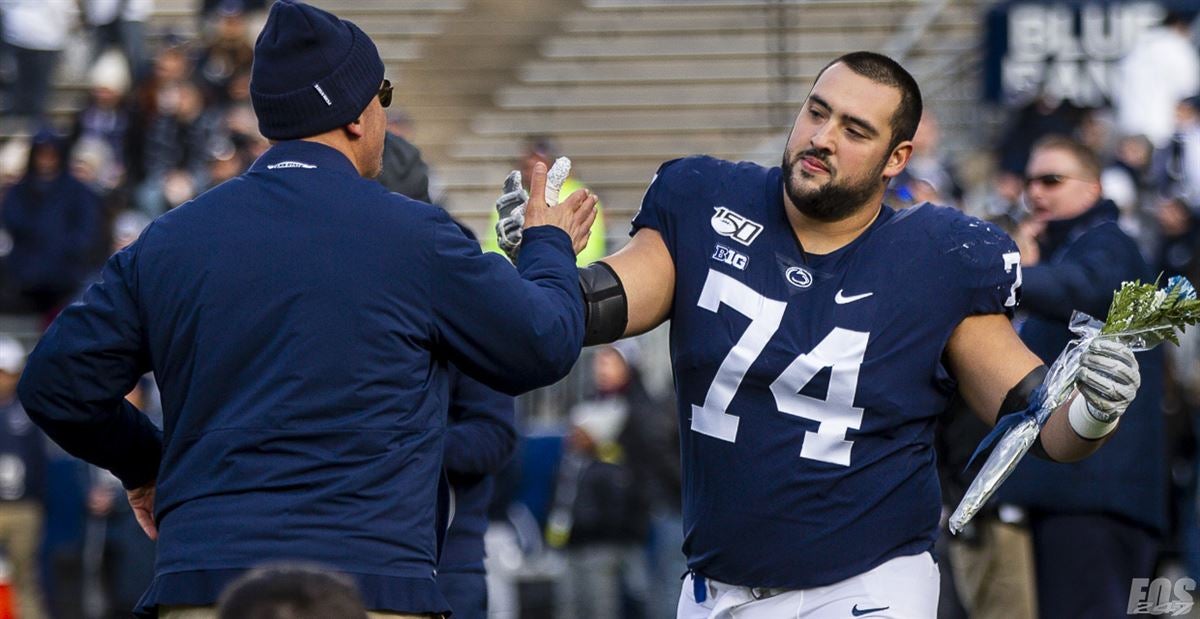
573, 215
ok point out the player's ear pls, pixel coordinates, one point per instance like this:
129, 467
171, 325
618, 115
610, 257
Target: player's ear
898, 159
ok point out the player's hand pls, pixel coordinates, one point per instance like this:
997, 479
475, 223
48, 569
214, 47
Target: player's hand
1108, 379
573, 215
511, 207
142, 502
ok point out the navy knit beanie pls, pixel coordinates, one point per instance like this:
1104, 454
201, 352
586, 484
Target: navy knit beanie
312, 72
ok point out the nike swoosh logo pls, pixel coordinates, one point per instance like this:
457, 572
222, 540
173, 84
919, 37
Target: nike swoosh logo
841, 299
866, 611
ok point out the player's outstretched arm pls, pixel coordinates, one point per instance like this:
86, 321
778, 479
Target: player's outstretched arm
992, 364
647, 274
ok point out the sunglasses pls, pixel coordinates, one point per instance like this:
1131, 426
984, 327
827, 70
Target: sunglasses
1046, 180
385, 93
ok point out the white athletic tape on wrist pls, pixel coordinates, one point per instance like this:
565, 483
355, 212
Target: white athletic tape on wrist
555, 178
1085, 424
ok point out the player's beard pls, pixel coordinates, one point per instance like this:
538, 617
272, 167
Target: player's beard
833, 201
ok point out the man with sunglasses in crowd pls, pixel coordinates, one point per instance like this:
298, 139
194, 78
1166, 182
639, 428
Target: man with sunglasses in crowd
300, 320
1100, 516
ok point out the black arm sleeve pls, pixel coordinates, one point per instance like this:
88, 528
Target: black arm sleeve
1018, 398
606, 310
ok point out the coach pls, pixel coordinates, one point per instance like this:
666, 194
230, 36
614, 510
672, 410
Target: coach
299, 320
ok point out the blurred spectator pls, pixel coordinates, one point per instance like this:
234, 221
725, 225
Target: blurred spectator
36, 31
541, 149
22, 483
1177, 165
1162, 69
404, 171
1002, 205
651, 441
239, 124
1027, 125
53, 219
1180, 239
1126, 181
480, 439
127, 226
1101, 516
1096, 130
224, 162
991, 559
118, 557
120, 23
104, 117
99, 142
401, 123
600, 514
227, 53
211, 8
176, 149
155, 95
928, 177
291, 592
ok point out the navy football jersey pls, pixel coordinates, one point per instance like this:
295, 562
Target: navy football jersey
808, 385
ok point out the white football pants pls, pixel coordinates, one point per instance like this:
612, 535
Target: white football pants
903, 588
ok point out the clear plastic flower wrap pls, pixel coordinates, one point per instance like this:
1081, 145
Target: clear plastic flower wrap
1141, 315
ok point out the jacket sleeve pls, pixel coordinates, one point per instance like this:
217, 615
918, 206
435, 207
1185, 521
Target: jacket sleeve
75, 381
1084, 279
511, 330
481, 435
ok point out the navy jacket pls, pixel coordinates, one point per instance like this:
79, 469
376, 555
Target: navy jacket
53, 226
300, 320
1084, 260
480, 439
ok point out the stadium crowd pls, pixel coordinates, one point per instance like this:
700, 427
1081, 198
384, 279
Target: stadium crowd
595, 507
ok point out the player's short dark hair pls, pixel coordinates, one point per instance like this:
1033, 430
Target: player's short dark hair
291, 592
883, 70
1084, 156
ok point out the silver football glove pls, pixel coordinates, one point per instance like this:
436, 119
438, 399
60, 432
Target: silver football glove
511, 207
1108, 380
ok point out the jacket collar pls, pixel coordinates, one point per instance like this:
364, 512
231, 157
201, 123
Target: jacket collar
1064, 231
294, 155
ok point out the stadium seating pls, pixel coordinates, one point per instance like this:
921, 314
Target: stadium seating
626, 84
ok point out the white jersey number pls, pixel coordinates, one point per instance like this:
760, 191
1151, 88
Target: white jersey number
1012, 260
842, 350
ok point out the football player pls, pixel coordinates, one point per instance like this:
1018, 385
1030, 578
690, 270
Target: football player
815, 336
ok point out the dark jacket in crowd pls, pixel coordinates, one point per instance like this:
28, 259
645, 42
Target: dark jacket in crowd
480, 439
404, 171
53, 224
609, 507
22, 456
1084, 260
299, 320
651, 442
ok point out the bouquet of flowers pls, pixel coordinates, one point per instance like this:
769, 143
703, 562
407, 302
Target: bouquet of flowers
1141, 316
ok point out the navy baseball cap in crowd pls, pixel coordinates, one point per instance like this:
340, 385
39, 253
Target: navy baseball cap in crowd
312, 72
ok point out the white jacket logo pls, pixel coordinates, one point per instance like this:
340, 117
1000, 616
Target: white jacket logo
730, 224
283, 165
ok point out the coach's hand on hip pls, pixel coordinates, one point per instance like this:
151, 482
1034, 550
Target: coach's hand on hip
574, 215
142, 501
